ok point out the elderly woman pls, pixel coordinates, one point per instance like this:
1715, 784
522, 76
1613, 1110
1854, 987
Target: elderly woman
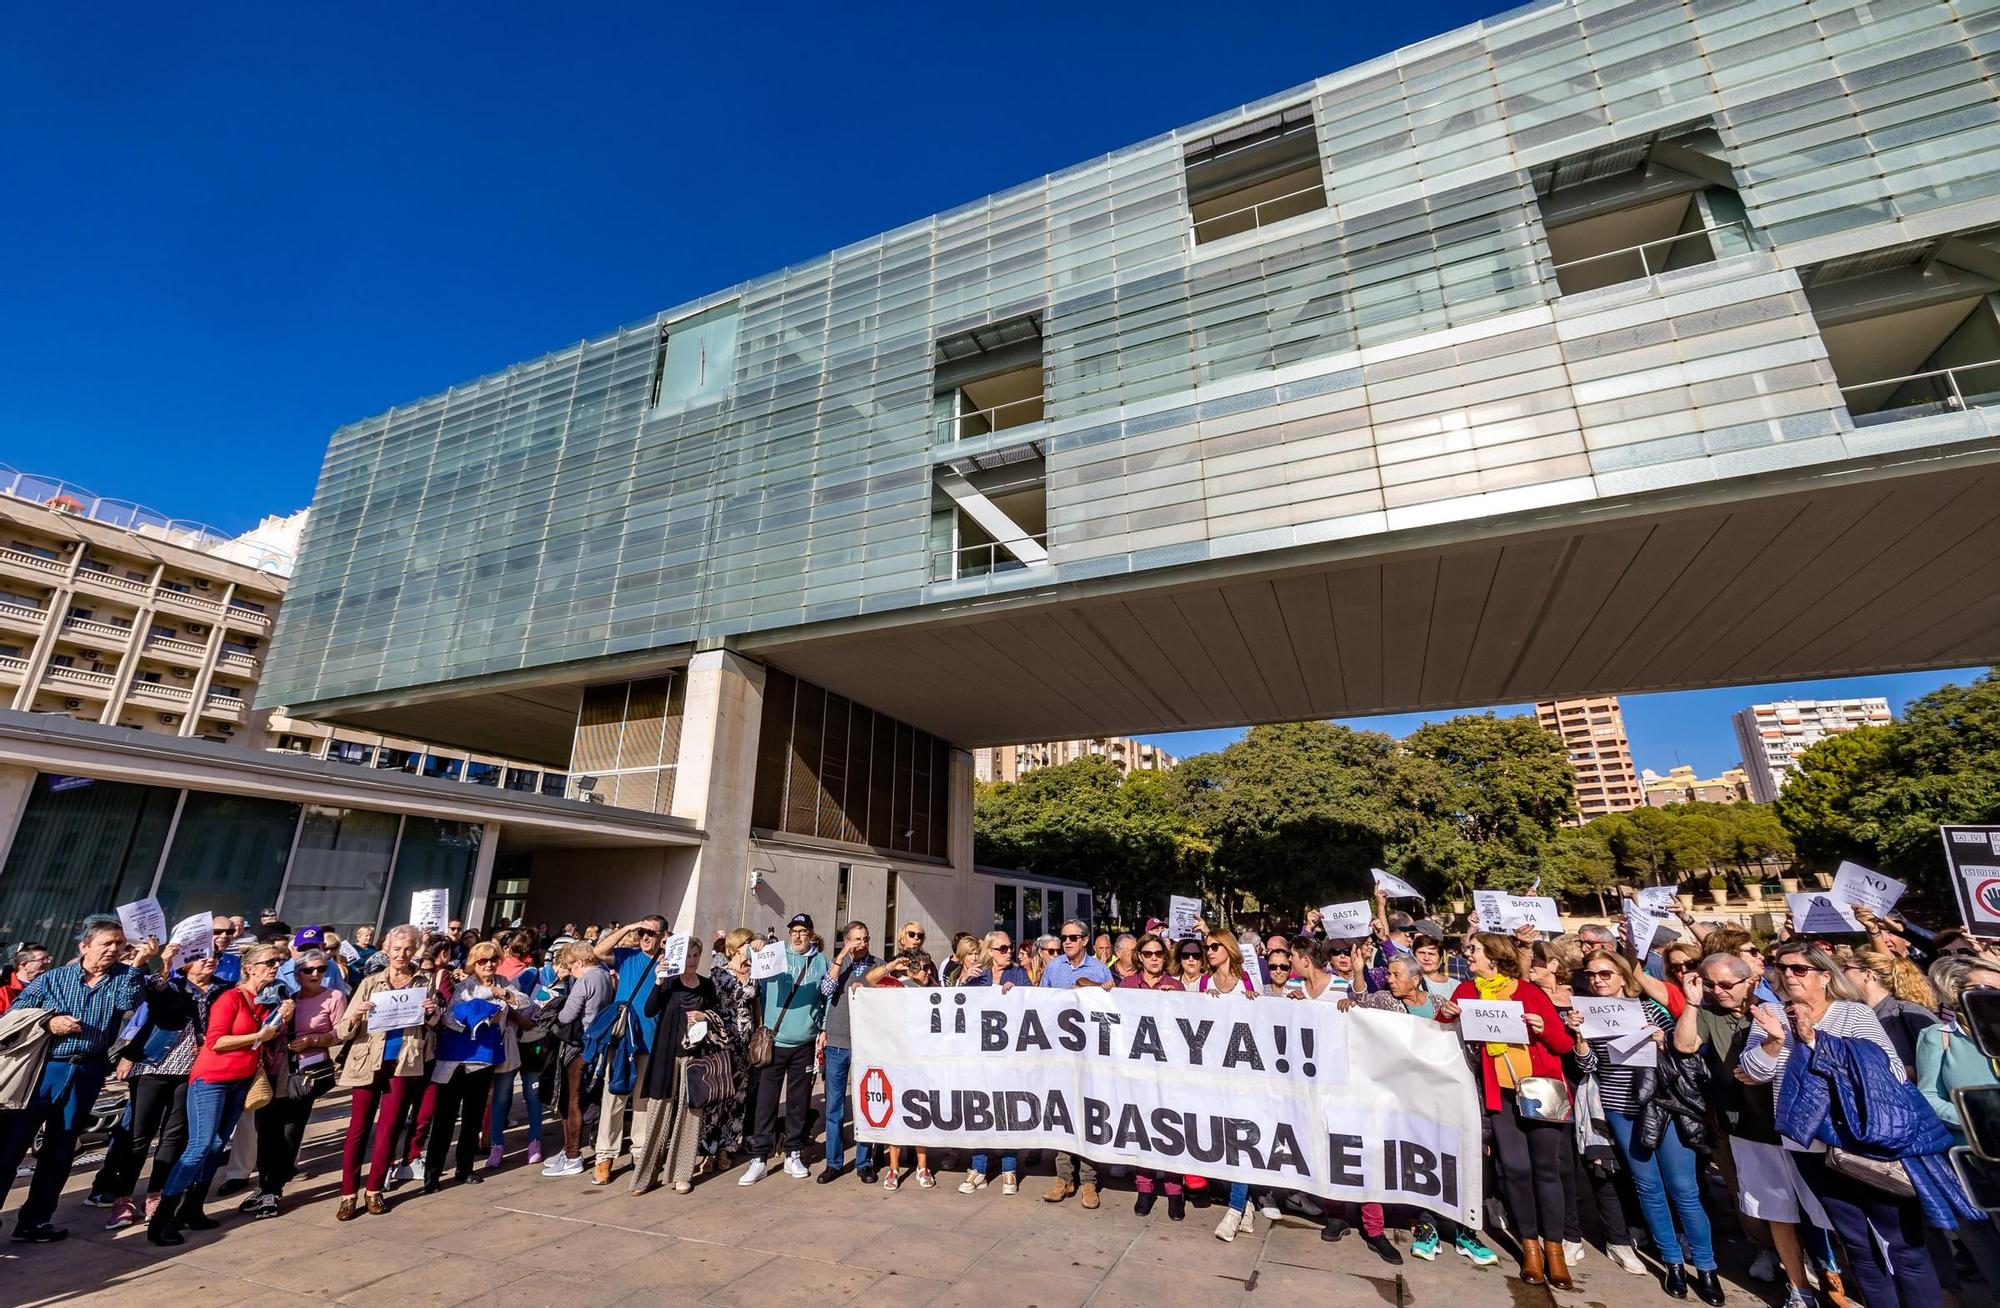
384, 1070
534, 1047
1947, 1058
586, 988
683, 1006
281, 1124
476, 1039
240, 1028
736, 1007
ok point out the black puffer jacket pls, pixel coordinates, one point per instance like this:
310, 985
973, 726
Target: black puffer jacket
1676, 1090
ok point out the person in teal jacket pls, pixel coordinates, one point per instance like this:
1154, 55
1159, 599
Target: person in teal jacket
1947, 1059
795, 1011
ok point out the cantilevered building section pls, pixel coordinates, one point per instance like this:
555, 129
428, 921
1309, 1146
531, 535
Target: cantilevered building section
1592, 348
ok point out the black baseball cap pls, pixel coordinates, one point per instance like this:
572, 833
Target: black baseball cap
801, 920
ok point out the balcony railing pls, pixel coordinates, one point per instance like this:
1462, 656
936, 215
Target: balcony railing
32, 562
159, 692
953, 429
186, 649
223, 705
80, 677
112, 581
1261, 214
92, 629
193, 603
980, 560
232, 661
67, 497
12, 668
243, 617
1647, 260
12, 612
1941, 390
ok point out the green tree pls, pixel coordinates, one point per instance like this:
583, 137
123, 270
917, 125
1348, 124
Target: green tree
1818, 803
1491, 795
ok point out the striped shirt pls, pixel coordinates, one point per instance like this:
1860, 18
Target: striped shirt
1849, 1021
1616, 1082
101, 1008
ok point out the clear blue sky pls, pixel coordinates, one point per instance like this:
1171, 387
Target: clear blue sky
233, 227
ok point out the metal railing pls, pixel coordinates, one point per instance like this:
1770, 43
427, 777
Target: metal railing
67, 497
1949, 393
955, 427
1645, 264
980, 560
1256, 212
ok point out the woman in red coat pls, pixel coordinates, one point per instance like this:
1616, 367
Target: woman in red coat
1531, 1153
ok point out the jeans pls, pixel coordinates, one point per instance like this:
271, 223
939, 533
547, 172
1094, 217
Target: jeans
1008, 1163
213, 1108
62, 1100
503, 1105
838, 1060
1668, 1183
1239, 1195
1900, 1272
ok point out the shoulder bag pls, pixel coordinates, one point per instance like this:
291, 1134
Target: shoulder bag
764, 1041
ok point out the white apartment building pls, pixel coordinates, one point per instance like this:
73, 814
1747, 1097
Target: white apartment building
1772, 736
1011, 762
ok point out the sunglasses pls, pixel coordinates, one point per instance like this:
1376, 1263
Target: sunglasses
1187, 954
1601, 974
1797, 969
311, 971
1003, 949
1067, 936
1051, 950
230, 932
1279, 964
1152, 953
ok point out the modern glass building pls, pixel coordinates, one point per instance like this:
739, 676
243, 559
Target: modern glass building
1596, 347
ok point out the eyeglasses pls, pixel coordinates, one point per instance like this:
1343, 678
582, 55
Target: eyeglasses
1276, 964
263, 962
311, 971
1051, 950
1798, 969
1152, 953
1730, 984
1071, 936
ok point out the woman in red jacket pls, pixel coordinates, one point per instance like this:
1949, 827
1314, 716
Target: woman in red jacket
1531, 1153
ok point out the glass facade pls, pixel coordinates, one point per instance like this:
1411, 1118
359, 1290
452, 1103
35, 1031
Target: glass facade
1401, 355
83, 846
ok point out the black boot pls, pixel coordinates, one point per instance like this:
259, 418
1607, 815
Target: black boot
1674, 1281
1144, 1203
1707, 1288
161, 1228
191, 1217
1176, 1207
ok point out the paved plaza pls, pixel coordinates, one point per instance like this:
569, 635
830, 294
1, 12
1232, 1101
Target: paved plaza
525, 1240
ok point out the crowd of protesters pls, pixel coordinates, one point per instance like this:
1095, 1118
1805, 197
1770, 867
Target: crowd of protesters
1758, 1111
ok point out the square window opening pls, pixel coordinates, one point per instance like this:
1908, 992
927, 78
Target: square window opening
697, 360
1254, 174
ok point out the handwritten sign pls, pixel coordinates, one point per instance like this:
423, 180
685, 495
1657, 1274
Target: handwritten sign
396, 1010
194, 937
430, 910
674, 955
1816, 912
1604, 1018
1496, 1021
143, 918
1866, 888
1346, 921
1395, 886
768, 961
1183, 918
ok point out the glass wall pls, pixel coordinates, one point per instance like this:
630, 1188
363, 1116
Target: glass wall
434, 854
228, 855
84, 846
340, 869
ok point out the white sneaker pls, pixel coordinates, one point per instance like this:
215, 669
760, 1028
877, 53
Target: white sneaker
973, 1181
1797, 1298
1573, 1251
417, 1170
570, 1167
1304, 1205
399, 1172
1267, 1204
1231, 1222
795, 1166
1764, 1267
754, 1173
1248, 1224
555, 1165
1008, 1185
1626, 1257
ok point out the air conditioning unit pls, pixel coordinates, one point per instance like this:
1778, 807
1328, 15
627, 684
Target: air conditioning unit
72, 703
197, 629
226, 729
183, 673
92, 654
170, 719
201, 583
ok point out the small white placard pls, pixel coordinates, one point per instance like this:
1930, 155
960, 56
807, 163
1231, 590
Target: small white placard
1183, 917
1348, 921
1639, 1050
1604, 1018
1852, 884
1817, 912
430, 910
194, 937
1658, 899
1396, 887
768, 961
1499, 911
1643, 924
142, 918
1497, 1021
396, 1010
674, 955
348, 953
1253, 966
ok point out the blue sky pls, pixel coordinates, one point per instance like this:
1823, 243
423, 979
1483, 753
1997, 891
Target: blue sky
233, 227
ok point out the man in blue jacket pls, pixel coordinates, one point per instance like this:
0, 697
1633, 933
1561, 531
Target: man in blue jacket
795, 1011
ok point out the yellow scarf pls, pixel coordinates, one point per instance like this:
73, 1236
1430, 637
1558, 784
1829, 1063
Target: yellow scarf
1510, 1062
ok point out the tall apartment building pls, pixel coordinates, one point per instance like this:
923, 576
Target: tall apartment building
1593, 731
1772, 736
1011, 762
1681, 786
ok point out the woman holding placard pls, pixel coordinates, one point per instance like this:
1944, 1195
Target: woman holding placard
385, 1064
684, 1006
1225, 979
477, 1039
1623, 1044
1526, 1102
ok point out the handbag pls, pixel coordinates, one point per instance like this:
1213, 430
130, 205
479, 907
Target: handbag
312, 1081
1544, 1099
260, 1090
763, 1042
1885, 1174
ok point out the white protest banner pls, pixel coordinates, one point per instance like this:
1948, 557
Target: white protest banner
1605, 1017
1183, 917
1363, 1106
1498, 1020
430, 910
768, 961
142, 918
1973, 854
1658, 899
396, 1010
1349, 921
1866, 888
674, 955
194, 937
1815, 912
1395, 886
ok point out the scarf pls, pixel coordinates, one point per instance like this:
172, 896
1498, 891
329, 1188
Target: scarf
1510, 1062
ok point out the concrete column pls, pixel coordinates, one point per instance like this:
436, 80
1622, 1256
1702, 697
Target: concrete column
16, 784
715, 777
482, 876
958, 846
191, 724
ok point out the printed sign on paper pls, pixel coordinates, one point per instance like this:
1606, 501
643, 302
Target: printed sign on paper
1183, 918
1658, 899
430, 910
1973, 853
1816, 912
1395, 886
1866, 888
674, 954
768, 961
143, 918
1604, 1018
194, 937
1348, 921
1499, 1021
396, 1010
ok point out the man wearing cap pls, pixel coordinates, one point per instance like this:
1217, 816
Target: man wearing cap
633, 954
795, 1011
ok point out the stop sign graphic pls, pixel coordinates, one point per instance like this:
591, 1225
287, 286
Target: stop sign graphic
878, 1098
